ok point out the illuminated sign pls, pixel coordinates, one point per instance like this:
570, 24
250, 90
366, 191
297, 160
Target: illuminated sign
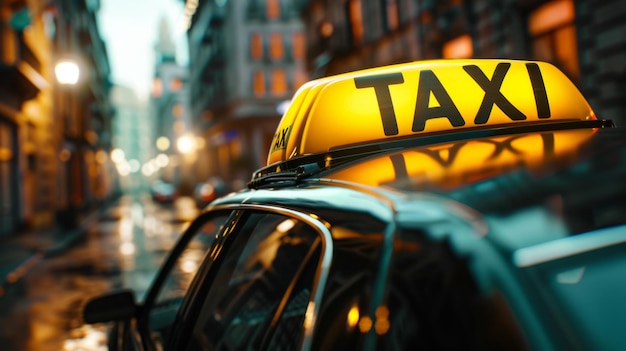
413, 99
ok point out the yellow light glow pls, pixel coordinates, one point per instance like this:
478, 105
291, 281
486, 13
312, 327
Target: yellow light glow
147, 169
309, 318
101, 156
365, 324
178, 110
91, 136
157, 87
117, 155
89, 156
127, 249
381, 326
551, 15
175, 86
87, 338
460, 47
188, 265
163, 143
123, 168
382, 312
178, 126
64, 155
382, 320
185, 144
285, 225
200, 143
353, 316
67, 72
93, 171
126, 228
5, 154
162, 160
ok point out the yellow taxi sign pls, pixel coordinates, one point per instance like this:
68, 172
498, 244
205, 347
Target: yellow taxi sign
423, 97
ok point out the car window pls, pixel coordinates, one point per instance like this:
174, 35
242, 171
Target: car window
260, 293
345, 316
170, 293
585, 293
433, 302
178, 280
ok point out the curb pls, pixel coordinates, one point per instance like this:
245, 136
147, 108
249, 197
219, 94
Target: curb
71, 237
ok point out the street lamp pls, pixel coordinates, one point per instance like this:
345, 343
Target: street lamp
185, 144
67, 72
75, 187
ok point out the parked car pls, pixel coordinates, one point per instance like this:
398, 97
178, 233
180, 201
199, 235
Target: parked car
436, 205
209, 190
163, 192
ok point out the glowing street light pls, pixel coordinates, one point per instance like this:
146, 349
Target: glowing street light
117, 155
162, 143
67, 72
185, 144
162, 160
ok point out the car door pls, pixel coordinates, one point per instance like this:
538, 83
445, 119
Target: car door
173, 281
258, 289
146, 325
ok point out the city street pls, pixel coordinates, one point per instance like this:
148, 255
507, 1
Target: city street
121, 249
312, 175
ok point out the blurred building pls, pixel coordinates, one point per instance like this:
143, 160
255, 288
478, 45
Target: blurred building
54, 139
132, 137
246, 61
582, 37
83, 111
174, 135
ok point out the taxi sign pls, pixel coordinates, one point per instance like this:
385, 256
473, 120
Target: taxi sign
421, 98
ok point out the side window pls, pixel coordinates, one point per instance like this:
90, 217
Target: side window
345, 317
260, 292
177, 277
434, 303
178, 280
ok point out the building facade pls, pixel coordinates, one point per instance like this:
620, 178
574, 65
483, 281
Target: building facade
246, 61
172, 116
54, 139
582, 37
83, 112
132, 137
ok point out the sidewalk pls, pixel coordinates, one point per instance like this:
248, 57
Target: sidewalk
21, 252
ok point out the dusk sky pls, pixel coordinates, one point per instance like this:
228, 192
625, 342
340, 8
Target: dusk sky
130, 29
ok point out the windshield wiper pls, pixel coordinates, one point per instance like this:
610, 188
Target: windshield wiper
280, 178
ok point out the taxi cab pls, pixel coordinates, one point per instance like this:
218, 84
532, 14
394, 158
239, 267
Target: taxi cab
436, 205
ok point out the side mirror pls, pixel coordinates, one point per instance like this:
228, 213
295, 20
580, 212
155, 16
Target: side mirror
113, 307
